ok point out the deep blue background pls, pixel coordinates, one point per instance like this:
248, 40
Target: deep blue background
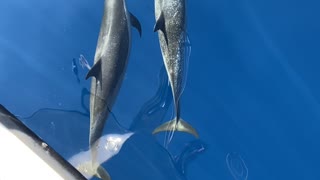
253, 80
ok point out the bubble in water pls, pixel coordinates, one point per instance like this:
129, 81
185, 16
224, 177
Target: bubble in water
83, 62
113, 143
236, 166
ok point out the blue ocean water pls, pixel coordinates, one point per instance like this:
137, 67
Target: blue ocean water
252, 92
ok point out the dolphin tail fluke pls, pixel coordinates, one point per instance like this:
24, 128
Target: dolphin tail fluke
175, 125
88, 170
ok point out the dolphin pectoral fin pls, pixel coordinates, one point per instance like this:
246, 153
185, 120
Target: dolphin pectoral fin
161, 25
135, 23
175, 125
88, 170
95, 71
102, 173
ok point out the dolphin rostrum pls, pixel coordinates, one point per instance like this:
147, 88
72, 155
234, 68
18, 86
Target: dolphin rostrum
110, 63
171, 26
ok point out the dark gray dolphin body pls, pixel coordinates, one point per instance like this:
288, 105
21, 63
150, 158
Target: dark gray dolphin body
171, 23
110, 63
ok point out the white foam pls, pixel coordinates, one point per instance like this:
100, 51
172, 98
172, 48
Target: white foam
109, 146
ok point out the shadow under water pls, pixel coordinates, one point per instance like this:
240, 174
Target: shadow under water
138, 155
153, 111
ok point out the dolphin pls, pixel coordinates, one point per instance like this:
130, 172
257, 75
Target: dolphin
110, 63
171, 26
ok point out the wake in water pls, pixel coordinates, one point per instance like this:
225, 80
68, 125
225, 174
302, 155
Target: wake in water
237, 166
109, 146
190, 151
84, 63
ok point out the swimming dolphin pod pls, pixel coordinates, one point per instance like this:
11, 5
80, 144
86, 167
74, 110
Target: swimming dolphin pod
171, 26
110, 62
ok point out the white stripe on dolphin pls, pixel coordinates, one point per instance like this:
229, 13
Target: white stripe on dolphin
171, 21
110, 63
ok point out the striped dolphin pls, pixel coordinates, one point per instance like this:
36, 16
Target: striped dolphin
171, 26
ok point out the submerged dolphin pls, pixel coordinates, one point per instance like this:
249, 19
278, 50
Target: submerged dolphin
110, 63
171, 21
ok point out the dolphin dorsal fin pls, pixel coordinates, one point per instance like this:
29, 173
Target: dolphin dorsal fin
95, 71
135, 23
161, 25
